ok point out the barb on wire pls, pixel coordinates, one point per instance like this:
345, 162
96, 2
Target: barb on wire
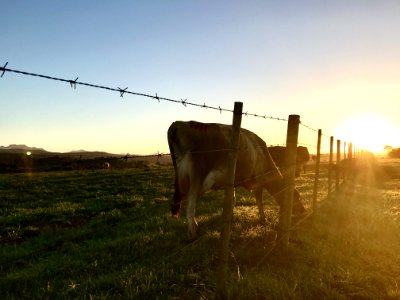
122, 91
73, 83
4, 69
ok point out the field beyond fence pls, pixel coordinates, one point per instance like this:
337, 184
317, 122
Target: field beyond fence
109, 234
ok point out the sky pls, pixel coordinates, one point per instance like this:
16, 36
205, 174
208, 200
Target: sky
335, 63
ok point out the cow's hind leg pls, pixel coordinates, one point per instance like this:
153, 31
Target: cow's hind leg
259, 198
297, 207
191, 199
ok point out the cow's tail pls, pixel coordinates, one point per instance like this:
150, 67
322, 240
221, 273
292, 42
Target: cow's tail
172, 143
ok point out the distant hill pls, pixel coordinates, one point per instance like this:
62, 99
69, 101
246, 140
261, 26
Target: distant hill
15, 158
14, 147
80, 154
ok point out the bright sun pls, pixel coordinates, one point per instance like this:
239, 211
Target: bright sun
371, 133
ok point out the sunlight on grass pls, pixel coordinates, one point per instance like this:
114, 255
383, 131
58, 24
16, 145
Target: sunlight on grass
67, 207
111, 235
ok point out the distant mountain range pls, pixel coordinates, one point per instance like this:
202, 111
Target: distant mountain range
23, 158
21, 148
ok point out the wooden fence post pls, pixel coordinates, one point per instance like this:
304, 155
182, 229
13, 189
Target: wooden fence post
229, 203
337, 165
289, 173
350, 151
330, 168
316, 179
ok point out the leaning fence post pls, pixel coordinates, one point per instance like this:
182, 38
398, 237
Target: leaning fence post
289, 173
316, 179
330, 167
229, 202
337, 165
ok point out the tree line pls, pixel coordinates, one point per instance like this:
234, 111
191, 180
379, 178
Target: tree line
392, 152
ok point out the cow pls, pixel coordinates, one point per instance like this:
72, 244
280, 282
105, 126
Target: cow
278, 156
352, 168
199, 156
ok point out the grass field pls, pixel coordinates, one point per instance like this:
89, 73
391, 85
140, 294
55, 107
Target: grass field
108, 234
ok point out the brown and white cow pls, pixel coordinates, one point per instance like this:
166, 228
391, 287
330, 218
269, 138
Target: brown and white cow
278, 156
199, 155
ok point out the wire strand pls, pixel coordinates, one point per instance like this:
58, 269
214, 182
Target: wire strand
122, 92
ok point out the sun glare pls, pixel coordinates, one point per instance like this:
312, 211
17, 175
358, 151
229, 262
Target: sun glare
371, 133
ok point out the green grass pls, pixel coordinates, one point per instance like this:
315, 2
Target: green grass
108, 234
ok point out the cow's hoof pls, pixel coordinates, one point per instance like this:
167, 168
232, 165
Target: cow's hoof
193, 229
263, 220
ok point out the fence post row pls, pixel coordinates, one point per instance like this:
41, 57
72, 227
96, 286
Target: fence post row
229, 202
285, 212
316, 179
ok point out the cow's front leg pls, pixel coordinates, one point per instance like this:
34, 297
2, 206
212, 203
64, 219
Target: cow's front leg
259, 198
190, 215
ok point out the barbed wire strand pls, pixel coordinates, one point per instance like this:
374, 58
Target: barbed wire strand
308, 127
124, 91
158, 155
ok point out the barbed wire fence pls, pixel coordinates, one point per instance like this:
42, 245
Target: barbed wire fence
74, 83
122, 92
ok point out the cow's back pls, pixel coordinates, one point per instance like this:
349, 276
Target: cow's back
206, 145
198, 138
